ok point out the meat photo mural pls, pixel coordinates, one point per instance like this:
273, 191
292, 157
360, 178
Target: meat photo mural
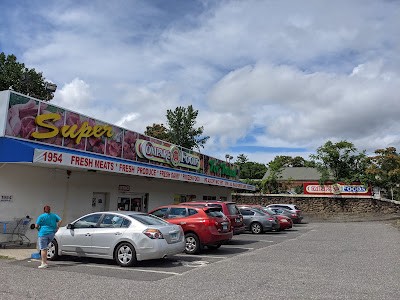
46, 109
74, 120
114, 143
96, 144
22, 112
130, 138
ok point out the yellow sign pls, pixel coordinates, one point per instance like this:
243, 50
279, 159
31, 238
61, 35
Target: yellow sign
71, 131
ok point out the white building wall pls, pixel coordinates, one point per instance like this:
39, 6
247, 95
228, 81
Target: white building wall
33, 187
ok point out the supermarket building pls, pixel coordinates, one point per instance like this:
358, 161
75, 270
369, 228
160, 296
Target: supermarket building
78, 164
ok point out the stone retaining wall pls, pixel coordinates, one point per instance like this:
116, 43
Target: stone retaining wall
325, 207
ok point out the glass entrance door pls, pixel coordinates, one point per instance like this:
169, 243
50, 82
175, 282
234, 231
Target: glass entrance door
137, 202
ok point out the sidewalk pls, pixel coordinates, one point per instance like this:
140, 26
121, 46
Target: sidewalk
18, 253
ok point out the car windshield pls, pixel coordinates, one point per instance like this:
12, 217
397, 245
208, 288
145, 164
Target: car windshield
232, 208
148, 219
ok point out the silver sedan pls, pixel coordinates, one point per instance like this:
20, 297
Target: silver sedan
125, 236
257, 221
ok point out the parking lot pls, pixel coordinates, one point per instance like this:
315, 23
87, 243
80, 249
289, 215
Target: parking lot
338, 260
176, 265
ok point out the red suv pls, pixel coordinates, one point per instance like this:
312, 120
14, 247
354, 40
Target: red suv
203, 226
228, 208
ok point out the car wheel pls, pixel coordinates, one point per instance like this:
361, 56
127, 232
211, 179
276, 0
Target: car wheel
125, 255
52, 250
256, 228
192, 244
214, 246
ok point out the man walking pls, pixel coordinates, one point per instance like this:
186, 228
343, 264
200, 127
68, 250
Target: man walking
47, 224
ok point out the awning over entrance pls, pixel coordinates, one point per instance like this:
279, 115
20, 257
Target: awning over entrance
17, 151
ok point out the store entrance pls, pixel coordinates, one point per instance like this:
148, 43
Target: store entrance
136, 202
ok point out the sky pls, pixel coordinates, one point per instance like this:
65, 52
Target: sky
267, 77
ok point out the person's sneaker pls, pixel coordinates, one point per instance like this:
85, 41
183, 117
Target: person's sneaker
43, 266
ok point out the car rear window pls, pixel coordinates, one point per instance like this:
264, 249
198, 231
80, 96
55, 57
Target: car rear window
214, 205
232, 208
148, 219
214, 212
270, 211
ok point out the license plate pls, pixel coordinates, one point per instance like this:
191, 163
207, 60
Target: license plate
237, 220
224, 227
174, 236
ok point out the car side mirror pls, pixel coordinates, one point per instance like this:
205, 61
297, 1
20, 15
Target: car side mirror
70, 226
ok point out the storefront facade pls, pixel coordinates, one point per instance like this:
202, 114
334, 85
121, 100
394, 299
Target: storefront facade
77, 164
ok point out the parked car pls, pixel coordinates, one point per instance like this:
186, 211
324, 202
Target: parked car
285, 222
202, 226
257, 221
125, 236
228, 208
281, 211
295, 210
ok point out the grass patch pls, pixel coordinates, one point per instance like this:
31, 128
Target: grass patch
5, 257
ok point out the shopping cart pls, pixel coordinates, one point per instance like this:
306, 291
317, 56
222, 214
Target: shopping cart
15, 231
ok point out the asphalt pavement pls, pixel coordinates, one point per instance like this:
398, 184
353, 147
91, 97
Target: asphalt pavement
354, 260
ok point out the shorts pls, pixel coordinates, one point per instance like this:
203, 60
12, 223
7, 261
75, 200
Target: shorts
44, 241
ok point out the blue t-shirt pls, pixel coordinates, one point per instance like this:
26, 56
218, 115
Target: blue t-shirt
47, 223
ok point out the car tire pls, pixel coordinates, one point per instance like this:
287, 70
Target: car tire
213, 246
256, 228
125, 255
52, 250
193, 245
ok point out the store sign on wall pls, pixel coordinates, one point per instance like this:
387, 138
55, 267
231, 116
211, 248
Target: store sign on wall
69, 131
171, 155
124, 188
6, 198
36, 120
45, 157
336, 189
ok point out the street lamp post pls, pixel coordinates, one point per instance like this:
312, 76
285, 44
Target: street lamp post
50, 88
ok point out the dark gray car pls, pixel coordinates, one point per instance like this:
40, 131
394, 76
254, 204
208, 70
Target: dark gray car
279, 211
257, 221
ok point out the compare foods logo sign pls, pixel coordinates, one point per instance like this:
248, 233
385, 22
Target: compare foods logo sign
336, 189
171, 155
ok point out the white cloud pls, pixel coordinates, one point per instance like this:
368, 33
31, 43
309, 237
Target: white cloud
261, 73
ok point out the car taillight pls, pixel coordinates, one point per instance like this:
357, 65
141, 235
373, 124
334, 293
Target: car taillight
210, 222
271, 219
154, 234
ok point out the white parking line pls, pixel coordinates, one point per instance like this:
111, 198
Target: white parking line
265, 241
132, 269
205, 256
236, 247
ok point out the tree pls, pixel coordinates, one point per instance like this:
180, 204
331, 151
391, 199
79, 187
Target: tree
285, 161
158, 131
252, 170
340, 162
181, 129
248, 169
384, 170
270, 184
241, 159
26, 81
